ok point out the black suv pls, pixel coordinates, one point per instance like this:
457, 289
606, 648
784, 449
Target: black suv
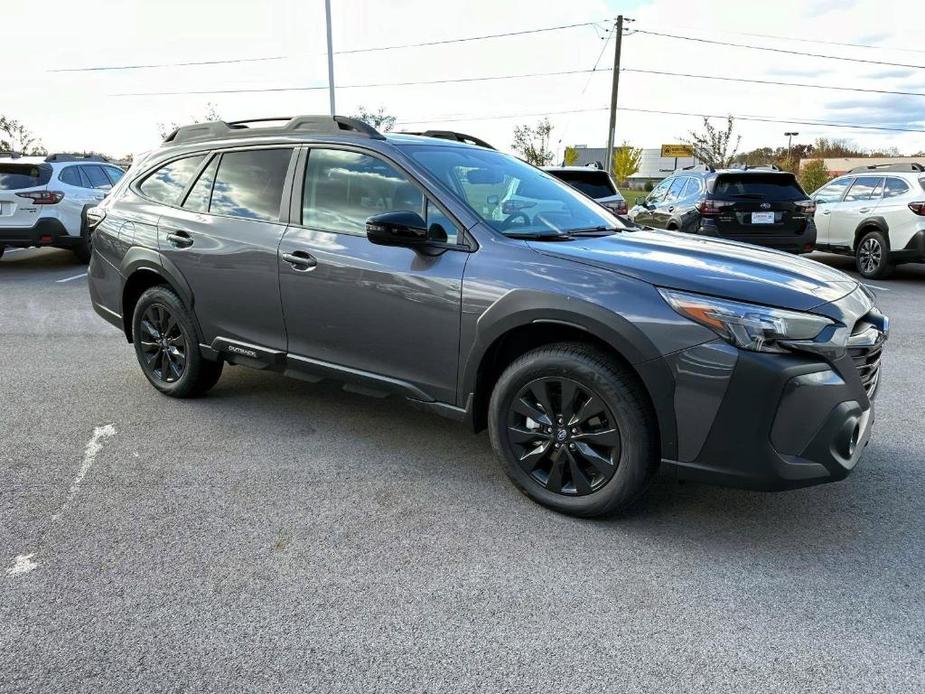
759, 205
593, 352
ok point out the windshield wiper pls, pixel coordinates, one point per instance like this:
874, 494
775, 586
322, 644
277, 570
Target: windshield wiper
594, 231
548, 235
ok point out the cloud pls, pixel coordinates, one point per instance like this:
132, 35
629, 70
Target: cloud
891, 111
892, 73
797, 72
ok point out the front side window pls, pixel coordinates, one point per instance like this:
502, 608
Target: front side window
343, 189
660, 191
168, 182
862, 188
508, 194
832, 192
249, 184
895, 187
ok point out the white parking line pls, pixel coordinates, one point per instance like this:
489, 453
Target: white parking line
75, 277
879, 289
24, 563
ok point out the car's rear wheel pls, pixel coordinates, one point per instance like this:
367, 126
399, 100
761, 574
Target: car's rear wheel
167, 348
574, 430
84, 248
873, 256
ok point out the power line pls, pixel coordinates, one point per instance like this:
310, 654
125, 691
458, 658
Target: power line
154, 65
772, 49
743, 117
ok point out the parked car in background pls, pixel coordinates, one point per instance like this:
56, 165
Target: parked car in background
876, 214
593, 182
592, 350
759, 205
43, 200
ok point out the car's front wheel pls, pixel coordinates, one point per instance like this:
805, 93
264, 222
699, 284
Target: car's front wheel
873, 256
574, 430
166, 346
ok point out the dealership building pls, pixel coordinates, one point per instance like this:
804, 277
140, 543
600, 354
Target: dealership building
836, 166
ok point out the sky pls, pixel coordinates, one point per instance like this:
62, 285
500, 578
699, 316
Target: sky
283, 41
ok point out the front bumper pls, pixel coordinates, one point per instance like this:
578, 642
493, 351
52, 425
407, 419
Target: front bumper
47, 231
767, 421
802, 242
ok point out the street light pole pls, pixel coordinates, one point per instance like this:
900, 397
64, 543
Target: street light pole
327, 13
790, 137
615, 87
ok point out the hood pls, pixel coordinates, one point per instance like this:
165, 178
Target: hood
726, 269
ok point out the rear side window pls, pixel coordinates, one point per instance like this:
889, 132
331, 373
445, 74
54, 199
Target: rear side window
863, 188
201, 194
97, 177
593, 183
755, 186
894, 188
71, 176
691, 189
18, 176
168, 182
250, 184
676, 187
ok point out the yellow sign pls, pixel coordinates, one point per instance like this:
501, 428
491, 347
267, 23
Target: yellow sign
677, 151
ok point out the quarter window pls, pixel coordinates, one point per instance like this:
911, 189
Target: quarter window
168, 182
249, 184
895, 187
342, 189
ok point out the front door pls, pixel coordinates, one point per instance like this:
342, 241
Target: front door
224, 239
384, 312
859, 203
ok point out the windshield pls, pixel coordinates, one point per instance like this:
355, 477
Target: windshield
510, 195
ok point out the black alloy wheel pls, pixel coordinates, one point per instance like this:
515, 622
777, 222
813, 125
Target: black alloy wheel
164, 345
564, 436
873, 256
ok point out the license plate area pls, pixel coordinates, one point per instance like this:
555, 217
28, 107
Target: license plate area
762, 218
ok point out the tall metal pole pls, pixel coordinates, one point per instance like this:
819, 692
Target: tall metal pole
327, 12
615, 87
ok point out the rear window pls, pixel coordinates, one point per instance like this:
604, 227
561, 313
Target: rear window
774, 187
593, 183
18, 176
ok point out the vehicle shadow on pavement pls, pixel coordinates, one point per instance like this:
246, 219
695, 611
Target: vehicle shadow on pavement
912, 272
31, 259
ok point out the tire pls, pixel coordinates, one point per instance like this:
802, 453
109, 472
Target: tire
608, 452
84, 248
167, 347
872, 256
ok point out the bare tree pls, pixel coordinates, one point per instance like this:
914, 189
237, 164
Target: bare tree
16, 137
210, 114
380, 120
713, 146
532, 143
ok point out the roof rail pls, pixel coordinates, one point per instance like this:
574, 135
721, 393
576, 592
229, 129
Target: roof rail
450, 135
766, 167
64, 156
314, 124
911, 166
8, 154
699, 167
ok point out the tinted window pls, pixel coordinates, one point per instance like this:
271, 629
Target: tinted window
692, 188
201, 194
774, 187
895, 187
16, 176
96, 176
593, 183
342, 189
71, 176
862, 188
833, 191
676, 187
115, 175
250, 184
168, 182
660, 190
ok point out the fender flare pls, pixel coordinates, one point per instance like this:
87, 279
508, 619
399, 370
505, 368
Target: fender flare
871, 221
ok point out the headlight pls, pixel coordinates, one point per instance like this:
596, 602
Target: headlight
749, 326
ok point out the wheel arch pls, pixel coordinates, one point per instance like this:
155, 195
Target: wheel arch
142, 269
867, 225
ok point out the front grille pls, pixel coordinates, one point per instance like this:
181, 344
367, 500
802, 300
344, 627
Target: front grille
865, 347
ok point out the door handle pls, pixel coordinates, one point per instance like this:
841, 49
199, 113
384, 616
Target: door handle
826, 211
864, 210
300, 260
180, 239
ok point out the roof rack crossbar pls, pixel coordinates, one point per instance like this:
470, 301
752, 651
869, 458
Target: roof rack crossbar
65, 156
699, 167
450, 135
895, 168
317, 124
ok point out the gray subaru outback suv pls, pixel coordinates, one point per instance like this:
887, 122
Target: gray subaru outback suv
592, 352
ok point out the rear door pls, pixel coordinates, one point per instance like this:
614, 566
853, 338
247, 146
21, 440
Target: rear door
16, 211
223, 238
860, 201
763, 204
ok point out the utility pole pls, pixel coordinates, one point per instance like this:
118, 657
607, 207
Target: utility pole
615, 87
327, 12
790, 137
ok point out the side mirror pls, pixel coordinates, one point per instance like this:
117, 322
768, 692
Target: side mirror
400, 228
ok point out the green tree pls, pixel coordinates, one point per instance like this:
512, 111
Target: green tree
625, 162
532, 143
714, 146
16, 137
814, 175
570, 156
380, 120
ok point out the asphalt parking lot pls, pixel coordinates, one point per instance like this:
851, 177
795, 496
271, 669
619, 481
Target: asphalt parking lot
281, 536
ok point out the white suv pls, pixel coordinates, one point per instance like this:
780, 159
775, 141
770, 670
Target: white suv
43, 200
877, 214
